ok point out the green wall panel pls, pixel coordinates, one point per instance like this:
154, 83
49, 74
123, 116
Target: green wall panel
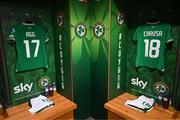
1, 87
176, 91
11, 15
99, 56
62, 48
118, 54
80, 43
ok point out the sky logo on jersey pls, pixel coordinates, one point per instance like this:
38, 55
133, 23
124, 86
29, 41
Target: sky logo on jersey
80, 30
23, 88
99, 30
139, 83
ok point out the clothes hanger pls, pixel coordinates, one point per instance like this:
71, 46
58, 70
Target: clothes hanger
28, 20
153, 19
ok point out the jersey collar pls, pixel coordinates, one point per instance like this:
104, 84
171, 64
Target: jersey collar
152, 23
28, 23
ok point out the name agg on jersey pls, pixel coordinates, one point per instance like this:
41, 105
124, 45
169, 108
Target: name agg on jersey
151, 44
30, 42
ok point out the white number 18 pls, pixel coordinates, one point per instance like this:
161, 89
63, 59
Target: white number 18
150, 46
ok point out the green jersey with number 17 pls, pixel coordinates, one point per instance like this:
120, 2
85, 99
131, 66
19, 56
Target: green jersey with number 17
151, 44
30, 42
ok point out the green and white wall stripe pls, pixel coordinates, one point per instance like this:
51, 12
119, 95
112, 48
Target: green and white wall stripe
118, 51
62, 45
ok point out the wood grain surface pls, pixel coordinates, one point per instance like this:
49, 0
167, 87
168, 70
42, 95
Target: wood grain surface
63, 109
116, 106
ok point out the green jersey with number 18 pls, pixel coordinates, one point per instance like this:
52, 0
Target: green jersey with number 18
30, 42
151, 44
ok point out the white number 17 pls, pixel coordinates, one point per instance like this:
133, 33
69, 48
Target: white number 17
27, 46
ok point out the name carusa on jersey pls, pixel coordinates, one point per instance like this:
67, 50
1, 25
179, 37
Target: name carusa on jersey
30, 34
153, 33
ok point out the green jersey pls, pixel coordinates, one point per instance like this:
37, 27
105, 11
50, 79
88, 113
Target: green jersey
151, 44
30, 42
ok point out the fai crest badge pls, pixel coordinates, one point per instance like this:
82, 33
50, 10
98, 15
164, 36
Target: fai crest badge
60, 19
99, 30
119, 18
44, 81
80, 30
160, 87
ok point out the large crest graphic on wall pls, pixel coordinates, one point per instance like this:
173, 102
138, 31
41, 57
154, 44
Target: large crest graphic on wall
119, 18
60, 19
99, 30
44, 81
160, 87
80, 30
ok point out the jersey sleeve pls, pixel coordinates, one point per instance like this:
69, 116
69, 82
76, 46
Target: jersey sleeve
135, 35
169, 36
46, 38
11, 36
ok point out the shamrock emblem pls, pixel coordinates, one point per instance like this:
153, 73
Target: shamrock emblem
99, 30
80, 30
120, 18
44, 81
60, 19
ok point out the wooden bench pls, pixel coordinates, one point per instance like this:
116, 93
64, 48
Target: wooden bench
117, 110
63, 109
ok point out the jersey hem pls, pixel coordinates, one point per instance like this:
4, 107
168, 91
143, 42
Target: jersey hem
162, 70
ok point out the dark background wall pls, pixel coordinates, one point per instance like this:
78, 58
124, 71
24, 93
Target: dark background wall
138, 11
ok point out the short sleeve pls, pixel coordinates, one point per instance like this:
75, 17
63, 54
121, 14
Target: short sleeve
46, 38
169, 36
11, 36
45, 32
135, 35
